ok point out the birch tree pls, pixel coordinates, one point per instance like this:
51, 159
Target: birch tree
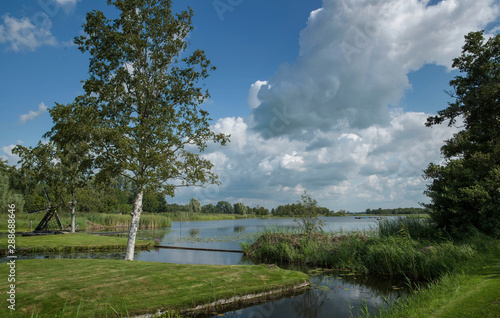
143, 100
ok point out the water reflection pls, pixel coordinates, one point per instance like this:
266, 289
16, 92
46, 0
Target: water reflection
331, 295
194, 232
240, 229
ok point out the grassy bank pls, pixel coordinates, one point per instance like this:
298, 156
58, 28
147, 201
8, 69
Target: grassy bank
73, 243
402, 248
100, 288
471, 293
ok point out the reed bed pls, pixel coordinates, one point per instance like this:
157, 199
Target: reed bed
116, 220
398, 250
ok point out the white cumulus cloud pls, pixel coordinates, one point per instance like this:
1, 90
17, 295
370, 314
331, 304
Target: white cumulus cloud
329, 123
32, 114
23, 34
354, 60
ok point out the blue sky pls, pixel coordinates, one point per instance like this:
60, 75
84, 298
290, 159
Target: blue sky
325, 96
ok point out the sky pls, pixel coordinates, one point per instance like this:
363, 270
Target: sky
329, 97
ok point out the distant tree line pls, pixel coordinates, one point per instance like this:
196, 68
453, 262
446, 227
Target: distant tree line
295, 209
398, 211
116, 196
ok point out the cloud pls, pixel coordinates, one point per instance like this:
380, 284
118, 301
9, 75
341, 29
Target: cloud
23, 34
329, 122
67, 5
354, 60
33, 114
67, 2
253, 98
11, 158
353, 170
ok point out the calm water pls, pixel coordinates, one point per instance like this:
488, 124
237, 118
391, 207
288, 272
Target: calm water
332, 295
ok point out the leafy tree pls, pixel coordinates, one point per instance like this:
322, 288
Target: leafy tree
150, 202
63, 169
307, 217
260, 210
162, 203
195, 205
142, 102
210, 209
7, 194
225, 207
240, 208
464, 191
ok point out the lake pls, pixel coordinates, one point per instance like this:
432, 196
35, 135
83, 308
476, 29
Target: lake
332, 295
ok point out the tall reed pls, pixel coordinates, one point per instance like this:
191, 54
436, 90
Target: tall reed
117, 220
395, 255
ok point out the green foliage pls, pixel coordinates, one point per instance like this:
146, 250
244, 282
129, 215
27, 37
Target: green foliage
307, 215
414, 228
209, 209
141, 115
464, 191
381, 211
397, 255
294, 210
142, 101
225, 207
9, 196
240, 208
258, 210
194, 205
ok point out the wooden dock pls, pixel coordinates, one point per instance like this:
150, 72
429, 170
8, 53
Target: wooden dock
198, 249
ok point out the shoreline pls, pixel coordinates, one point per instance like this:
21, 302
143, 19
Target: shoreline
48, 287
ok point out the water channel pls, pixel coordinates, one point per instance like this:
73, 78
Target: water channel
340, 294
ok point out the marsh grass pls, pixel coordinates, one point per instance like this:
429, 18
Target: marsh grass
398, 250
116, 220
414, 228
471, 292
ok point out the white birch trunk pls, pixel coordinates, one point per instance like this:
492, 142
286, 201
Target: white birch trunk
134, 226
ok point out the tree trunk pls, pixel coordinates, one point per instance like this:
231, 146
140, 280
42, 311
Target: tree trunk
134, 226
73, 215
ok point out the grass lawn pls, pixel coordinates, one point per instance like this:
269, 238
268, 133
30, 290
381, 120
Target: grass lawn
72, 243
100, 288
465, 295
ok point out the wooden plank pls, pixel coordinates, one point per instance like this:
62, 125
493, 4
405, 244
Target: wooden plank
198, 249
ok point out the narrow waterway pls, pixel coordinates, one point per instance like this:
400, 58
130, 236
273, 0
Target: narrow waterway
339, 294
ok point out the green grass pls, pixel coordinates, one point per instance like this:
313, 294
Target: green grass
73, 242
472, 293
99, 288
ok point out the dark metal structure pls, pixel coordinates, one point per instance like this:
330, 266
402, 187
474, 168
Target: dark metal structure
50, 223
